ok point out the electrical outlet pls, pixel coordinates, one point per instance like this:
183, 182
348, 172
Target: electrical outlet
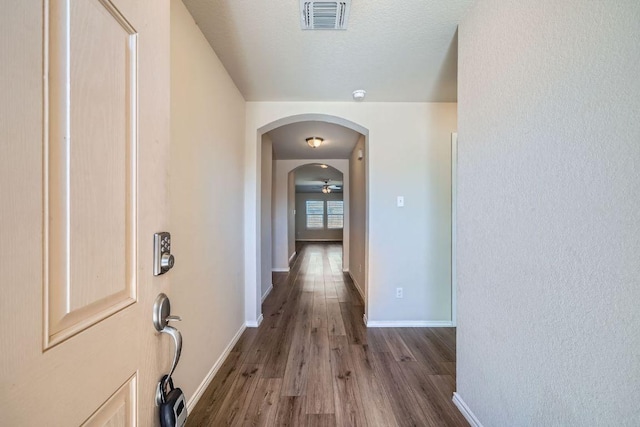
399, 293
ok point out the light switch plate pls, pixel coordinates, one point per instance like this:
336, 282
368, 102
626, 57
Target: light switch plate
400, 201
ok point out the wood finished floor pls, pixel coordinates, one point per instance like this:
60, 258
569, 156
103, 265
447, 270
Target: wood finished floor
312, 362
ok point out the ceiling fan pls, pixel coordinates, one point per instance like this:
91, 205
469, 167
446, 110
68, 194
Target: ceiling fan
326, 188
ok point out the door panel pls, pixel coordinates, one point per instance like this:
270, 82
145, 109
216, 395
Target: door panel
90, 149
84, 140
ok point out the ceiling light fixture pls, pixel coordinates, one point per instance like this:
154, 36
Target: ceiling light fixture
314, 141
358, 95
325, 188
324, 166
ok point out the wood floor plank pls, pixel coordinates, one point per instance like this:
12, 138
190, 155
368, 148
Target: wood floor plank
213, 397
348, 401
443, 341
425, 352
279, 277
320, 384
433, 394
342, 292
319, 311
245, 341
334, 317
376, 404
321, 420
330, 289
446, 385
397, 346
259, 351
355, 297
449, 368
297, 369
264, 404
290, 412
401, 397
281, 344
237, 401
376, 341
279, 353
353, 323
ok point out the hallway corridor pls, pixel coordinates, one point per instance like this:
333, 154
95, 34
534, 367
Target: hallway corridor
312, 362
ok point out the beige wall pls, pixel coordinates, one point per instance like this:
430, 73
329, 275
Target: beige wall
207, 131
408, 155
548, 213
358, 216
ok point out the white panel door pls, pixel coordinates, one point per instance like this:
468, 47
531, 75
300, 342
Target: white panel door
84, 128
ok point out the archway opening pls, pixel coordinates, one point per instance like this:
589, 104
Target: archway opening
319, 207
276, 232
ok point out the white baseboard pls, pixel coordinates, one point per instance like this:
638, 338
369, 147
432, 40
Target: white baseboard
280, 270
409, 324
191, 403
266, 294
357, 285
465, 411
292, 256
256, 323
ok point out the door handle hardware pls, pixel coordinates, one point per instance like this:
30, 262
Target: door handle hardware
161, 319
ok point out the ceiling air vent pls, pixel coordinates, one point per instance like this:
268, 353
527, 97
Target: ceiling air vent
324, 15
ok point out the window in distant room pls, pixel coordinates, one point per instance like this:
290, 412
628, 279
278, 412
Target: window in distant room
315, 214
335, 214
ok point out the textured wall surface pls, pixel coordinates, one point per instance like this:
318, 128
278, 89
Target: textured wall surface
549, 213
207, 129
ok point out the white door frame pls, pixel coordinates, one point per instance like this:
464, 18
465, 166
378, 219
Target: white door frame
454, 228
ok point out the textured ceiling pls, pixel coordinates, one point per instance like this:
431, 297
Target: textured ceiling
289, 141
310, 178
396, 50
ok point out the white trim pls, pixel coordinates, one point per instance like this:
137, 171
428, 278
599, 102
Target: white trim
357, 285
465, 411
292, 256
191, 403
267, 292
409, 324
364, 319
454, 227
320, 240
280, 270
345, 270
256, 323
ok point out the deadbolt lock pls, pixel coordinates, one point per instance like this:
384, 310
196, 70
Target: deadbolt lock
163, 260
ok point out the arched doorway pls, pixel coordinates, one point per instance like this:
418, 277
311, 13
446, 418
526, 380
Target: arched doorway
319, 200
255, 268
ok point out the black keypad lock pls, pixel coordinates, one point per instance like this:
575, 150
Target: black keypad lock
173, 409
